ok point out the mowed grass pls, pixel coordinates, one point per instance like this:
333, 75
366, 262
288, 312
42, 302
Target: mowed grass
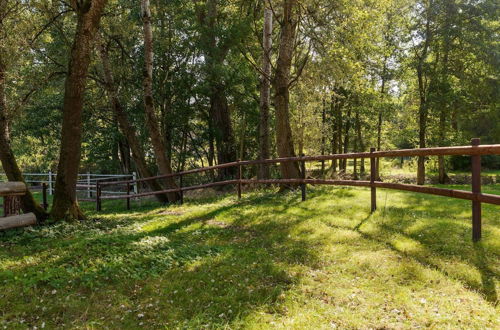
266, 261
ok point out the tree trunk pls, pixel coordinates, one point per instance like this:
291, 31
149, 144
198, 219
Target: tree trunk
443, 177
355, 161
265, 91
223, 131
361, 144
242, 138
323, 136
379, 146
281, 82
346, 138
183, 153
211, 148
423, 107
422, 142
443, 91
338, 107
152, 123
124, 157
220, 117
126, 128
65, 202
9, 163
335, 135
380, 119
340, 125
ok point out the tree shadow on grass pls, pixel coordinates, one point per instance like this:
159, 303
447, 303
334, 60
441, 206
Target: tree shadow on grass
210, 267
219, 265
487, 274
445, 237
434, 232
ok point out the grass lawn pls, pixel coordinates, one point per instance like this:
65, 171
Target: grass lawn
267, 261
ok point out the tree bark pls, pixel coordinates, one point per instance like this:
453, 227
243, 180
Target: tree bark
65, 202
211, 148
346, 137
126, 128
124, 155
442, 177
323, 136
380, 118
355, 161
219, 109
443, 91
360, 143
340, 125
335, 134
265, 92
152, 122
422, 89
243, 130
281, 82
9, 163
379, 146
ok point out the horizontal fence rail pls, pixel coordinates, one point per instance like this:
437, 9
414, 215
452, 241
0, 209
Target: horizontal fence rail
475, 151
86, 184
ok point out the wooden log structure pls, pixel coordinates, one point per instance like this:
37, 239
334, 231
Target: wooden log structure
11, 205
11, 193
12, 189
22, 220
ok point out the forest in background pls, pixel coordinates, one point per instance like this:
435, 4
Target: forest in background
172, 85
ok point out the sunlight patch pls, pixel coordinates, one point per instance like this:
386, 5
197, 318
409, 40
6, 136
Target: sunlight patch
151, 242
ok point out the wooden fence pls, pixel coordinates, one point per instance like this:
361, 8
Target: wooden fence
476, 196
86, 184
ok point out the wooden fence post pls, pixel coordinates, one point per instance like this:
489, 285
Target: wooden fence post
98, 196
44, 196
128, 195
89, 191
303, 175
134, 177
181, 192
51, 190
373, 174
476, 189
240, 176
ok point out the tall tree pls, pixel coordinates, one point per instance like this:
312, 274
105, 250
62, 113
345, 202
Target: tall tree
152, 122
125, 126
443, 85
323, 134
9, 163
423, 86
281, 82
89, 14
8, 10
265, 91
216, 50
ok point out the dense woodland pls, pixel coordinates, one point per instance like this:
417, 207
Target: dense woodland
114, 86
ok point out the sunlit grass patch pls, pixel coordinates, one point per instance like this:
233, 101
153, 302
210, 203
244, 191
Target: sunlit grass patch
266, 261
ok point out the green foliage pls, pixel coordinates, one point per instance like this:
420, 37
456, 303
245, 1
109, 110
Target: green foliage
462, 163
363, 48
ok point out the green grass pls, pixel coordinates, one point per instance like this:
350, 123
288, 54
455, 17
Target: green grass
267, 261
